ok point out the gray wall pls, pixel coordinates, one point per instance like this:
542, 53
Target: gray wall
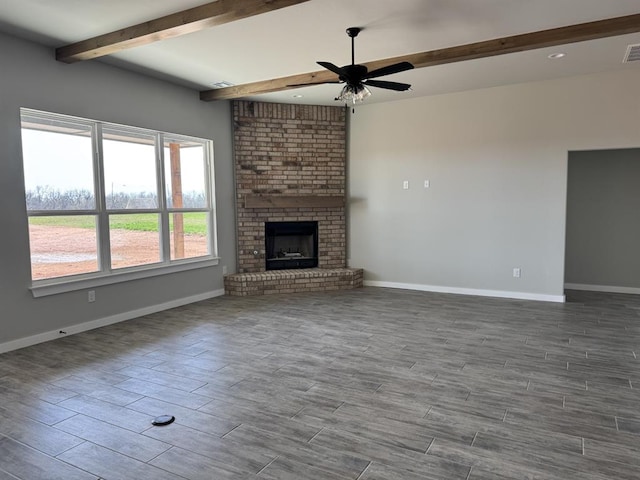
30, 77
497, 161
603, 218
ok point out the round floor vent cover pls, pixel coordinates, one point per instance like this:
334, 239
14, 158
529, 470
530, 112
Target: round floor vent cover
163, 420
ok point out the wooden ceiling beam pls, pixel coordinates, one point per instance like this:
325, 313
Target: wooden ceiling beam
610, 27
169, 26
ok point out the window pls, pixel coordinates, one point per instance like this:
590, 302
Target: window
105, 199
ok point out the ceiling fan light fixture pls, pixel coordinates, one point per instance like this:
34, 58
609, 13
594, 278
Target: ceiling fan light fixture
353, 94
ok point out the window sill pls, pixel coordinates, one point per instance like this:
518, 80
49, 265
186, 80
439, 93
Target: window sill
64, 285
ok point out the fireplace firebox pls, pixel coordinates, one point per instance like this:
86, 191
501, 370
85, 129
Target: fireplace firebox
291, 245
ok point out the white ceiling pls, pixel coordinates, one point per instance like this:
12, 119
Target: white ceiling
289, 41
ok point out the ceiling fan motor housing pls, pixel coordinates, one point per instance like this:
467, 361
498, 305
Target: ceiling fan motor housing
353, 73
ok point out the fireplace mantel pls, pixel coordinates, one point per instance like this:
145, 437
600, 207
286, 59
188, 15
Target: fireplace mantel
291, 201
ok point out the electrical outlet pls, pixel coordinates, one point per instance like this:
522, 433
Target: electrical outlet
516, 273
405, 185
224, 269
91, 296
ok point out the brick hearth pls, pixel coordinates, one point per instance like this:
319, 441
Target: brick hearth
293, 281
292, 156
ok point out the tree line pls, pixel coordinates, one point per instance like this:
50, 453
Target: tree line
49, 198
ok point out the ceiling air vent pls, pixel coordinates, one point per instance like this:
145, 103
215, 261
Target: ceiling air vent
225, 84
633, 54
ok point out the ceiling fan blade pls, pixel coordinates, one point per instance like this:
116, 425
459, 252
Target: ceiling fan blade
398, 87
330, 66
395, 68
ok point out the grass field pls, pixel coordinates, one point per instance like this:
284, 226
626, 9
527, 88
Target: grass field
195, 223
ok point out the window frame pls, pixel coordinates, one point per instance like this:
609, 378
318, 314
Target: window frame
106, 274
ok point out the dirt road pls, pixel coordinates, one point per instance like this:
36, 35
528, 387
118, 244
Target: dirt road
59, 251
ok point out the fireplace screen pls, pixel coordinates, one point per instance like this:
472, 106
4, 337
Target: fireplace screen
291, 245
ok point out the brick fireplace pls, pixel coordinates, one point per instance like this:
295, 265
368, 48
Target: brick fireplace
290, 163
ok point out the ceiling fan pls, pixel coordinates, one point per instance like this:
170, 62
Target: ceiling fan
357, 77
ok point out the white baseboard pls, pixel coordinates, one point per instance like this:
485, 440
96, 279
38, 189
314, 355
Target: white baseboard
102, 322
469, 291
602, 288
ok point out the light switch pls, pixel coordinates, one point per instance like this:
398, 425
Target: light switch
405, 184
427, 184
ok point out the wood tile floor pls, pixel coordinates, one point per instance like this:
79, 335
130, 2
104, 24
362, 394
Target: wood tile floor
362, 384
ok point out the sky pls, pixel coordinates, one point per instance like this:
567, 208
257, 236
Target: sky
64, 162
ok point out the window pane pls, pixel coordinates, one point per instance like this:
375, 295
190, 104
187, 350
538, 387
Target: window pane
135, 239
185, 174
61, 246
129, 170
189, 232
58, 164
